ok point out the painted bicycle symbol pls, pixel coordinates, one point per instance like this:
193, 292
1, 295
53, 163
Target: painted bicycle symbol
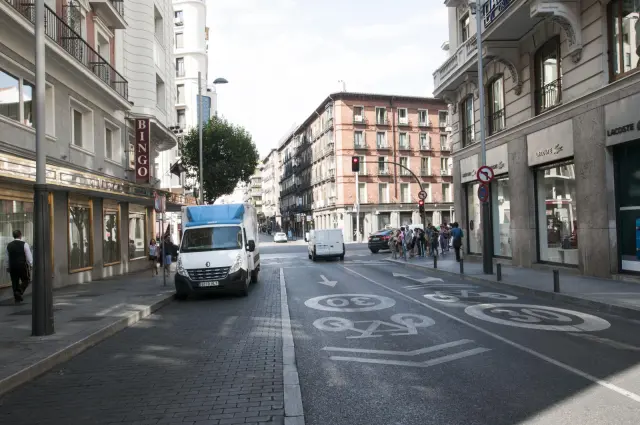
400, 324
456, 296
350, 303
537, 317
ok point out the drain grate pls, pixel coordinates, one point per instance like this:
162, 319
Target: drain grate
87, 319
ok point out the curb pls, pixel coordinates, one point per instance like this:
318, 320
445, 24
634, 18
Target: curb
628, 312
31, 372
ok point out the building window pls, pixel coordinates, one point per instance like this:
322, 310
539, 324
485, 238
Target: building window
446, 192
181, 118
403, 140
80, 237
425, 166
443, 117
423, 118
358, 114
16, 101
444, 143
358, 139
102, 46
363, 166
383, 193
158, 24
160, 93
76, 127
178, 18
381, 116
403, 116
405, 196
464, 28
180, 94
495, 101
112, 144
624, 37
501, 215
108, 143
179, 67
362, 193
548, 74
14, 215
424, 141
81, 126
445, 170
557, 214
474, 224
111, 238
137, 235
468, 127
382, 165
179, 40
404, 162
381, 140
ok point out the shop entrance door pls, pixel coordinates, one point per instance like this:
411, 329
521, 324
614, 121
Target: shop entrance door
627, 161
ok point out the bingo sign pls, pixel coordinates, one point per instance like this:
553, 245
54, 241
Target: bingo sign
142, 150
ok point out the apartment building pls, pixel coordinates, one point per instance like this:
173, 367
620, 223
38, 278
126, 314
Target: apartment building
562, 130
254, 193
101, 210
390, 134
271, 189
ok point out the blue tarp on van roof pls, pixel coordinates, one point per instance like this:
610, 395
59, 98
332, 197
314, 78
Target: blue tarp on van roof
214, 214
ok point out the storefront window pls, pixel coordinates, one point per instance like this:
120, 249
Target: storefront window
14, 215
628, 194
111, 239
501, 217
137, 241
557, 214
474, 224
384, 219
80, 247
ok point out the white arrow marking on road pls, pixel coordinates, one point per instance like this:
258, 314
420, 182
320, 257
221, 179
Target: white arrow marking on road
443, 285
401, 353
426, 282
328, 282
421, 280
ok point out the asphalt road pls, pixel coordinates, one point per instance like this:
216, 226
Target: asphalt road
373, 348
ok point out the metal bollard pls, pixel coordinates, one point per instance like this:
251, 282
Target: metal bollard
498, 272
461, 266
556, 281
435, 261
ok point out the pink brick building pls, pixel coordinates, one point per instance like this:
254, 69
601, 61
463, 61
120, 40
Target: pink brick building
318, 188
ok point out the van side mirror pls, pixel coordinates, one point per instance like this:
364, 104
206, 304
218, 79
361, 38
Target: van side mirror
251, 245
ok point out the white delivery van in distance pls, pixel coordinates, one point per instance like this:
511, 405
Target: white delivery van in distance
219, 249
326, 243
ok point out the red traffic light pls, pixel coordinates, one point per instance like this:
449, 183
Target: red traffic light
421, 202
355, 159
355, 164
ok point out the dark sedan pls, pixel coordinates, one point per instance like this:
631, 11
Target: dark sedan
379, 240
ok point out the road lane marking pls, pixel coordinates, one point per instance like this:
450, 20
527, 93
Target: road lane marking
427, 363
401, 324
327, 282
350, 303
531, 317
615, 344
292, 395
420, 280
455, 296
606, 384
441, 285
401, 353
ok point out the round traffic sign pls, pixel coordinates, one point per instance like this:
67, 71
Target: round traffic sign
485, 174
422, 195
483, 193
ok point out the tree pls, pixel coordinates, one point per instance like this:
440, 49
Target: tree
229, 157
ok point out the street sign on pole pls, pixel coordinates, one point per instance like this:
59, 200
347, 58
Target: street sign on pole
485, 174
422, 195
483, 193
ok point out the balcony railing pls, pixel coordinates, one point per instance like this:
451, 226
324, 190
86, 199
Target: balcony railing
424, 123
496, 121
445, 146
404, 172
404, 146
445, 172
404, 122
548, 96
179, 72
468, 135
383, 171
118, 5
64, 36
359, 119
382, 145
425, 146
382, 121
425, 171
359, 144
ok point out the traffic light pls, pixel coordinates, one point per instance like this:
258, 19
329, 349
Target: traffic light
421, 206
355, 164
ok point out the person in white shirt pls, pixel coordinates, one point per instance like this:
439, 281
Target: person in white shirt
20, 262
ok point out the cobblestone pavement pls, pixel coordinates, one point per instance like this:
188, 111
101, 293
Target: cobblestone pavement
214, 360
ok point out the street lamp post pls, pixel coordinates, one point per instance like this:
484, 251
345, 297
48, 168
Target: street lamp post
487, 248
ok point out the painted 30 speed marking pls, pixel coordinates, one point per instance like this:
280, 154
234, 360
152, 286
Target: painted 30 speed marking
350, 303
537, 317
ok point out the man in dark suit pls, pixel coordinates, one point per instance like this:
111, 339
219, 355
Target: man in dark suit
20, 262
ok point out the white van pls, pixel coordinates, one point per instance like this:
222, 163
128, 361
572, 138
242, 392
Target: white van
326, 243
219, 249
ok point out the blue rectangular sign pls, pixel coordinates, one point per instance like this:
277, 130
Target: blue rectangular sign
206, 108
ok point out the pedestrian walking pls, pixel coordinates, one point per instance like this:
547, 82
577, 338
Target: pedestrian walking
20, 262
457, 235
153, 257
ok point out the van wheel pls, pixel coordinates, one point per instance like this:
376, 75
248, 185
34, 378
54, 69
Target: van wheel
309, 255
342, 257
254, 276
374, 251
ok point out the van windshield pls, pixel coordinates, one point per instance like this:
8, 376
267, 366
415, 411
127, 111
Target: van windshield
211, 239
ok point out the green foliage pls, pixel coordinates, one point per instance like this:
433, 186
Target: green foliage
229, 157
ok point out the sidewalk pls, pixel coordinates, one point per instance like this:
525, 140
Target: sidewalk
607, 295
84, 315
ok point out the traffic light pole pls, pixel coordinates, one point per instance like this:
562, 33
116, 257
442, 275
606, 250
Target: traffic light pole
357, 207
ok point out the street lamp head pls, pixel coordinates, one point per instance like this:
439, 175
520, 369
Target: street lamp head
220, 81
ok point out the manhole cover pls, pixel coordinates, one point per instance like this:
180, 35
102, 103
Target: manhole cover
87, 319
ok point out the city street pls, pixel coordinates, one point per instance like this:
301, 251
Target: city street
375, 343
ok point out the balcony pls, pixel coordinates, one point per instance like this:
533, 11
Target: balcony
64, 36
383, 146
111, 11
424, 123
404, 122
468, 135
404, 146
425, 146
359, 120
383, 171
405, 173
496, 121
445, 172
359, 145
548, 97
445, 147
382, 121
425, 172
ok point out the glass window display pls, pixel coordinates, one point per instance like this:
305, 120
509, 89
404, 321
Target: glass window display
474, 224
501, 217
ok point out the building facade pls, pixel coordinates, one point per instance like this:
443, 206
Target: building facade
271, 189
562, 131
318, 189
96, 207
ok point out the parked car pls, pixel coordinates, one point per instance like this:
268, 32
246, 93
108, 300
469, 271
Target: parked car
380, 240
326, 243
280, 237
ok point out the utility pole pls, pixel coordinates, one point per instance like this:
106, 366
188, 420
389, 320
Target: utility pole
487, 248
201, 191
358, 207
42, 316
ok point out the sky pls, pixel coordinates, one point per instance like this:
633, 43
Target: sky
282, 58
